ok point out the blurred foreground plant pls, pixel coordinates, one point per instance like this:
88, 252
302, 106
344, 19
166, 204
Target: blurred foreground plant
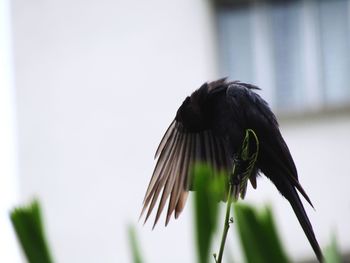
208, 192
332, 254
29, 228
256, 228
135, 250
258, 235
257, 232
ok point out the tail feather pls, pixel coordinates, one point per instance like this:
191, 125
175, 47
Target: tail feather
292, 196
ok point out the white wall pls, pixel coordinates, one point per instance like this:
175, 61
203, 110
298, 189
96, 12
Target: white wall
8, 150
97, 84
320, 147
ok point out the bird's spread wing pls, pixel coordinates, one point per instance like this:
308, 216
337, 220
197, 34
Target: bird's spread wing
176, 153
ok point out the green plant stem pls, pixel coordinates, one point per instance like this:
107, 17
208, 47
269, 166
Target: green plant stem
226, 225
227, 217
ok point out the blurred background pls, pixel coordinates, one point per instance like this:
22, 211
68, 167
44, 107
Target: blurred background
87, 89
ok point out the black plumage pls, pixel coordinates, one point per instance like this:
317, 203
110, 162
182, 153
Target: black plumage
210, 126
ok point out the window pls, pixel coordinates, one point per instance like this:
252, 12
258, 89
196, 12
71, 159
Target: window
298, 52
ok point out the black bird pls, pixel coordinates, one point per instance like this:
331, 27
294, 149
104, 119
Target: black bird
210, 126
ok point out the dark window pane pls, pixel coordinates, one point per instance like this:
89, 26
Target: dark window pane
286, 46
334, 40
235, 43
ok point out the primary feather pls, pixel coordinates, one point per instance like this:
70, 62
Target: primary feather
209, 126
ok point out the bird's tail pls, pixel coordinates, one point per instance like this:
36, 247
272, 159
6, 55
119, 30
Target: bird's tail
294, 199
288, 185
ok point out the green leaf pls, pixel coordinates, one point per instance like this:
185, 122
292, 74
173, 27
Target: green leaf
209, 190
28, 226
135, 251
331, 253
258, 235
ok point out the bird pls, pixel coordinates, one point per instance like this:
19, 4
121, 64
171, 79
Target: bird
210, 126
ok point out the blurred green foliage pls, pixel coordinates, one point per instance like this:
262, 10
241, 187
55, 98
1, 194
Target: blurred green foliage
209, 190
257, 231
258, 235
331, 253
28, 225
256, 228
135, 250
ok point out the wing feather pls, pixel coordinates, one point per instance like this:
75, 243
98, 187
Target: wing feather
159, 170
171, 176
164, 175
165, 138
209, 159
177, 152
213, 152
163, 158
179, 180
